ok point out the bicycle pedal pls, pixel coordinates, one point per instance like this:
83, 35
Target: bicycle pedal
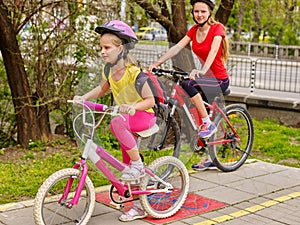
116, 205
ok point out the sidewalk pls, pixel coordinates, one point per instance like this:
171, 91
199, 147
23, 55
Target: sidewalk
257, 193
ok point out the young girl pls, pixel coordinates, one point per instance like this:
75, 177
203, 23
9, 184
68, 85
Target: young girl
119, 75
210, 44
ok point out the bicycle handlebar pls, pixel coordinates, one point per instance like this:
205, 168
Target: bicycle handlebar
100, 107
179, 74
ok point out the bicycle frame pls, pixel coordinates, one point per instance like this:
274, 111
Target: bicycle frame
98, 155
177, 99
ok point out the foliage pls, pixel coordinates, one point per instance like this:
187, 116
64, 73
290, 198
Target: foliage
277, 20
261, 20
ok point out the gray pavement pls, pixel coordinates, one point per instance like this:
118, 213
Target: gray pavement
257, 193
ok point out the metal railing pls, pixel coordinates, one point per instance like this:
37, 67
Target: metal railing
247, 72
264, 74
274, 51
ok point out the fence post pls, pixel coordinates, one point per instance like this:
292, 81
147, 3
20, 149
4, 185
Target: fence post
249, 49
252, 79
276, 50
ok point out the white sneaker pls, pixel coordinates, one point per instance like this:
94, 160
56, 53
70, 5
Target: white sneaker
133, 214
133, 173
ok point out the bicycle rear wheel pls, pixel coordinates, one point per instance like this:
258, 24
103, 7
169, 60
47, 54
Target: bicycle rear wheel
166, 203
232, 151
47, 208
166, 142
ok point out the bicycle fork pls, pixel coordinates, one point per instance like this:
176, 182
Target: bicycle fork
75, 199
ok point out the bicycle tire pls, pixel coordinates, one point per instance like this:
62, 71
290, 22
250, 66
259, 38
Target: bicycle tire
163, 205
48, 211
229, 157
167, 141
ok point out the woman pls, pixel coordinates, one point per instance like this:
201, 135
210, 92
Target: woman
210, 44
120, 75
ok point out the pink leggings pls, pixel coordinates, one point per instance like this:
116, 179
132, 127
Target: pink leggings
124, 129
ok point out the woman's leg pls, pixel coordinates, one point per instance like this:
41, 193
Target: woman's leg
193, 89
198, 103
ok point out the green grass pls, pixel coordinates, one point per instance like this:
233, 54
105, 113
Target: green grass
21, 178
276, 143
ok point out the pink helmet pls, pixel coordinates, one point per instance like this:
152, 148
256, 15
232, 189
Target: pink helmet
121, 29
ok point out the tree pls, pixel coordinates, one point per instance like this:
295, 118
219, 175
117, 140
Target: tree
30, 88
266, 21
43, 67
26, 115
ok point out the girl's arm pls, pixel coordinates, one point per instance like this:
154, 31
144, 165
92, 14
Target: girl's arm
147, 103
97, 92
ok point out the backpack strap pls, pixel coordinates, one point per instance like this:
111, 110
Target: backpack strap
156, 87
107, 70
140, 81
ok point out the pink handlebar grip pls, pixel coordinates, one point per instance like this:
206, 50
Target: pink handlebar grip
95, 106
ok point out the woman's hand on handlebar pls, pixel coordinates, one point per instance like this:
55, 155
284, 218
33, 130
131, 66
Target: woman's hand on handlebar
153, 66
196, 73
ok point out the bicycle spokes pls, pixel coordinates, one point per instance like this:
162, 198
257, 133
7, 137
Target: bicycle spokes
231, 145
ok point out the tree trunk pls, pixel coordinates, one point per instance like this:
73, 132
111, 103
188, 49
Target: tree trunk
240, 20
257, 21
176, 28
27, 120
288, 17
224, 11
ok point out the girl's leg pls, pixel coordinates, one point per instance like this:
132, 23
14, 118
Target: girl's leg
124, 132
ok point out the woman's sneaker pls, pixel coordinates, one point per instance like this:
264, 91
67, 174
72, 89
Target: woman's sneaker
205, 165
133, 214
207, 130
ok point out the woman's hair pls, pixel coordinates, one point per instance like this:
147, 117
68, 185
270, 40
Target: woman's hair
225, 41
129, 59
212, 21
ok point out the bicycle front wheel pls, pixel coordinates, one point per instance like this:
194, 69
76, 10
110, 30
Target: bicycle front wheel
167, 202
230, 150
48, 209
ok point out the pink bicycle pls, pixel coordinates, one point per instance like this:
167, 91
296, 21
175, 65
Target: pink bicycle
68, 195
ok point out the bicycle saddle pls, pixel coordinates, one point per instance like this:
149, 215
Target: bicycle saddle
148, 132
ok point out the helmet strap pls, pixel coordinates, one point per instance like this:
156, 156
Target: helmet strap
202, 24
108, 66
